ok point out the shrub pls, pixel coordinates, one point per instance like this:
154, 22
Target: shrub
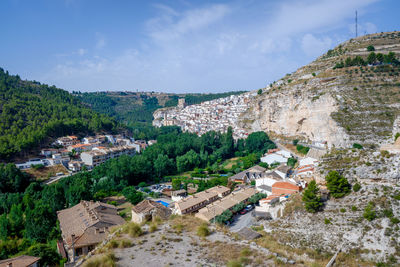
153, 227
302, 149
358, 146
133, 229
233, 263
370, 48
369, 212
394, 220
259, 92
203, 230
354, 208
396, 136
343, 210
313, 74
107, 260
245, 252
327, 221
356, 187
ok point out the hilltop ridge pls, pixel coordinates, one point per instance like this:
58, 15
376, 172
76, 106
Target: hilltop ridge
334, 99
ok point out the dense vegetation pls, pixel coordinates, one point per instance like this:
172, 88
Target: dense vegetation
31, 112
28, 211
372, 58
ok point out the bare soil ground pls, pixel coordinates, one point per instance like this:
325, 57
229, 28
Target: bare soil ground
46, 172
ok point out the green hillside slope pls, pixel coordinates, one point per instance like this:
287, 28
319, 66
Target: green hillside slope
136, 108
32, 112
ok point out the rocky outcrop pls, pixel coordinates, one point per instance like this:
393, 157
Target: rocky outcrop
297, 113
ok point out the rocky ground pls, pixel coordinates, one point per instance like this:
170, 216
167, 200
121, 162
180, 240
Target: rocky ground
342, 225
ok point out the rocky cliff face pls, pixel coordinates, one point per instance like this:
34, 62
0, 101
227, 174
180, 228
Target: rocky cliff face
342, 106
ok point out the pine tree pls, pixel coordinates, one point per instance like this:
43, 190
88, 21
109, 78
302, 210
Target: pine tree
311, 198
337, 184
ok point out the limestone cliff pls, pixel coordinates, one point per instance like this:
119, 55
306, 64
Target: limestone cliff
342, 106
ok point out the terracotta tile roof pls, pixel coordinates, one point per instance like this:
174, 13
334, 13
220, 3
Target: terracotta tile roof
148, 205
286, 185
201, 197
86, 221
21, 261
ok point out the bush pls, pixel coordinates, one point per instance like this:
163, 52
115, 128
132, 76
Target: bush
233, 263
133, 229
302, 149
327, 221
259, 92
369, 212
356, 187
354, 208
358, 146
343, 210
203, 230
107, 260
153, 227
370, 48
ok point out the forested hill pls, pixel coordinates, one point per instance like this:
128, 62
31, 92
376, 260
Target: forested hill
135, 109
32, 112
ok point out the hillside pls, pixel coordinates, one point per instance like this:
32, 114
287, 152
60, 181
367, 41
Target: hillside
33, 113
136, 108
345, 96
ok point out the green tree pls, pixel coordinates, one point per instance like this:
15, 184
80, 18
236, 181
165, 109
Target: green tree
48, 256
379, 57
132, 195
39, 222
176, 184
311, 198
371, 58
4, 227
291, 162
16, 219
163, 165
259, 92
337, 184
370, 48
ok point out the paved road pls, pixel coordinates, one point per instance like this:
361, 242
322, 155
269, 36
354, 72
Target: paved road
241, 221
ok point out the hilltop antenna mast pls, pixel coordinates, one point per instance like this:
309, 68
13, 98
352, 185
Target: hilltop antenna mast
356, 25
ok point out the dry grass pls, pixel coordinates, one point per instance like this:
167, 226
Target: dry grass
185, 222
104, 260
293, 204
203, 231
229, 254
46, 172
133, 229
115, 243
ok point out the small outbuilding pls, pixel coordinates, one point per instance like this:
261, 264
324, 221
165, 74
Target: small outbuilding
147, 209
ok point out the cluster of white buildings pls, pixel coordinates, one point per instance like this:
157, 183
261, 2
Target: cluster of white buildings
90, 151
215, 115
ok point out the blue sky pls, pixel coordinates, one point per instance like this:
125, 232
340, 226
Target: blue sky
176, 46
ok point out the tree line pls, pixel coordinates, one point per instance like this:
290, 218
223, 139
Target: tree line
28, 209
33, 112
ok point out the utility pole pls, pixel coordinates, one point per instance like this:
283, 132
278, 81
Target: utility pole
356, 26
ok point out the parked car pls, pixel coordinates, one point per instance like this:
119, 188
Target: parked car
243, 211
249, 207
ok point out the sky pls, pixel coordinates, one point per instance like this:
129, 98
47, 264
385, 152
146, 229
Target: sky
177, 46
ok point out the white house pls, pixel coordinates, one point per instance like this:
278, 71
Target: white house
308, 161
273, 158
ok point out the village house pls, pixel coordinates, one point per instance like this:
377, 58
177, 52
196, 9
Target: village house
147, 209
85, 225
199, 200
218, 207
100, 155
249, 175
67, 141
75, 165
78, 148
178, 194
21, 261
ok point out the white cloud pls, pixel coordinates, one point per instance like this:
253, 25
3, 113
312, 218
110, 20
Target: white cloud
213, 47
172, 25
313, 46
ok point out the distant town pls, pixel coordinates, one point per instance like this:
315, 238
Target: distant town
215, 115
75, 154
